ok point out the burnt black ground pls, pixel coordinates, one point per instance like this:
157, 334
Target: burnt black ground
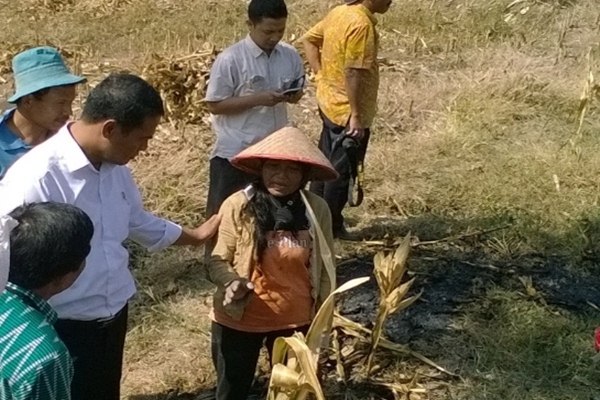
453, 278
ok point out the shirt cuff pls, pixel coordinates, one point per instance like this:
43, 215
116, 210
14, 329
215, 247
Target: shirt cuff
172, 233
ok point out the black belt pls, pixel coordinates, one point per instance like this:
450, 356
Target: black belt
99, 322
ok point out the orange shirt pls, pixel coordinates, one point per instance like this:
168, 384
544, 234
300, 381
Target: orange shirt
282, 289
347, 39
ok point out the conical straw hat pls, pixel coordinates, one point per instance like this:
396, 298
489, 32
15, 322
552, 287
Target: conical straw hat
288, 144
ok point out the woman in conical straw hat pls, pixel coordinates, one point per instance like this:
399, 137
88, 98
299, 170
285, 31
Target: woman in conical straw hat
273, 261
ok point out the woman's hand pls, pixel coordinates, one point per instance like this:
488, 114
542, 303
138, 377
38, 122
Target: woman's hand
237, 289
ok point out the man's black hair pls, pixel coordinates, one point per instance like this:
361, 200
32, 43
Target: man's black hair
260, 9
125, 98
51, 240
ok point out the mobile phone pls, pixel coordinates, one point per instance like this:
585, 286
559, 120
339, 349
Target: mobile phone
296, 86
292, 91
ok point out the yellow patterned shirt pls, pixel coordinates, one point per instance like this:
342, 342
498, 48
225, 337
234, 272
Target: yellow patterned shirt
347, 39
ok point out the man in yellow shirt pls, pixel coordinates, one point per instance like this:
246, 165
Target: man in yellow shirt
342, 50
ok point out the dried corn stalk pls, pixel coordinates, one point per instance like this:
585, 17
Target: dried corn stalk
389, 271
358, 331
299, 377
516, 8
96, 8
182, 83
590, 91
53, 6
294, 373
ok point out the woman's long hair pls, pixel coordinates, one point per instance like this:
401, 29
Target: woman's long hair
260, 207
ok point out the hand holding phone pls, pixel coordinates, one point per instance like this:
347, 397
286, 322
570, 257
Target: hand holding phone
295, 87
291, 91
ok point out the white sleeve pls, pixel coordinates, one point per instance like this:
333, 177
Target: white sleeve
145, 228
13, 193
222, 81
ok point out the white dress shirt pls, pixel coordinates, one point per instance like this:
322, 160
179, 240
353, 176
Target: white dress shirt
58, 170
245, 69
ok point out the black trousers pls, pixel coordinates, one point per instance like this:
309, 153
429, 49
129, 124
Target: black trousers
335, 192
224, 180
97, 351
235, 355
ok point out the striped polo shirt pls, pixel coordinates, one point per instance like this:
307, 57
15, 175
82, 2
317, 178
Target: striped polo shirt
34, 362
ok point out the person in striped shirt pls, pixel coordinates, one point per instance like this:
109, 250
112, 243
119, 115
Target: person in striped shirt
48, 248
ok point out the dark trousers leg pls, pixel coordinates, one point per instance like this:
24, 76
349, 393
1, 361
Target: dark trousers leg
335, 192
271, 336
97, 352
318, 187
235, 355
224, 180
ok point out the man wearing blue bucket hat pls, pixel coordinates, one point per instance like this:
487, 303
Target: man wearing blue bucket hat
44, 93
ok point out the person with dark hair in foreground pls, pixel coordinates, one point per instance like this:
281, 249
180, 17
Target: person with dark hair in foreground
249, 86
271, 257
48, 248
84, 165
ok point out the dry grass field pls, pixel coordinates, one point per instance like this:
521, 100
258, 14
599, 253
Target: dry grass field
487, 138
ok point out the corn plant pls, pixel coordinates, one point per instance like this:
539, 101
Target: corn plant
389, 270
294, 373
356, 330
295, 359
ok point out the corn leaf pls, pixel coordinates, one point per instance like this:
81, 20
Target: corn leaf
306, 367
398, 294
379, 261
360, 332
376, 336
339, 363
405, 303
284, 377
399, 262
321, 324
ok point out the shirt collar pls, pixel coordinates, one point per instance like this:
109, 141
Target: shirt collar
72, 156
33, 300
6, 114
366, 11
255, 50
8, 140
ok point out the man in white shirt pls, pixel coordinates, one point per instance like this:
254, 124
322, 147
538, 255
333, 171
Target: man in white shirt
84, 165
250, 84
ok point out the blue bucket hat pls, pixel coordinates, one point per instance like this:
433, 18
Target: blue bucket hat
40, 68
